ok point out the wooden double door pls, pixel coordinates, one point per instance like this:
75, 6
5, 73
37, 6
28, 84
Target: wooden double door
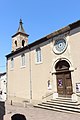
64, 84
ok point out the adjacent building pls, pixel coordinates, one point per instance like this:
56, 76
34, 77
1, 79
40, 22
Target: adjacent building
3, 86
47, 68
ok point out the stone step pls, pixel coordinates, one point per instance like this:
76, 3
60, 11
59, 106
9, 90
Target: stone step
69, 100
58, 109
63, 102
64, 98
61, 105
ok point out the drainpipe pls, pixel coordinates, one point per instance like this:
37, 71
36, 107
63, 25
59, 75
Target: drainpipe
30, 74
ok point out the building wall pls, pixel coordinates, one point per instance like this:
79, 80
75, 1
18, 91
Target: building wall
41, 73
31, 81
74, 43
3, 85
18, 79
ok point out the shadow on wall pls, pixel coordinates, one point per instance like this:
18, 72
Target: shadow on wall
18, 117
2, 110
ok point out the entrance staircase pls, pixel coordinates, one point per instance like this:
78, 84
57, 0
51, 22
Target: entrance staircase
60, 104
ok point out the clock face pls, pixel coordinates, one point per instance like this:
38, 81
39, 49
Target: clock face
59, 46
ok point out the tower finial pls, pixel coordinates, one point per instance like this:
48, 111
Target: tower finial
21, 29
21, 21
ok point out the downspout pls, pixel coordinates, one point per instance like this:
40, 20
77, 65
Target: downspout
30, 74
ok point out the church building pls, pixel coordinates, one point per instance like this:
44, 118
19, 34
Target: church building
45, 69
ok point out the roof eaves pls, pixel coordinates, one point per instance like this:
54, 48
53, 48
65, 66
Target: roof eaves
20, 33
75, 25
1, 74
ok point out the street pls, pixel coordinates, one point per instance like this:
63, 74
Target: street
32, 113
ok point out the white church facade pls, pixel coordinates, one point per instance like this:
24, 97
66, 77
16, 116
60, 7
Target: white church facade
45, 69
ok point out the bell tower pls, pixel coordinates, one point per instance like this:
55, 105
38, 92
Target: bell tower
20, 39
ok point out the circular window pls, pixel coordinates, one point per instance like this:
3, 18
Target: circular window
59, 46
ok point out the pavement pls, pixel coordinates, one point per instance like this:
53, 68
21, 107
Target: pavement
32, 113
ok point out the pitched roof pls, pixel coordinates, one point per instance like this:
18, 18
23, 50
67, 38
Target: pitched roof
20, 29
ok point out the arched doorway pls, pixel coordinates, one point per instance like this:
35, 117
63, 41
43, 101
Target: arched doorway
63, 77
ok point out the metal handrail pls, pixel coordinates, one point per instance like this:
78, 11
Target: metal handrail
43, 97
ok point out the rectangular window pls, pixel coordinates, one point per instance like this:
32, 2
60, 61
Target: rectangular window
38, 55
12, 63
23, 60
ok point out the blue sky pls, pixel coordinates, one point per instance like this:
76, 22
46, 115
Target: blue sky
40, 17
